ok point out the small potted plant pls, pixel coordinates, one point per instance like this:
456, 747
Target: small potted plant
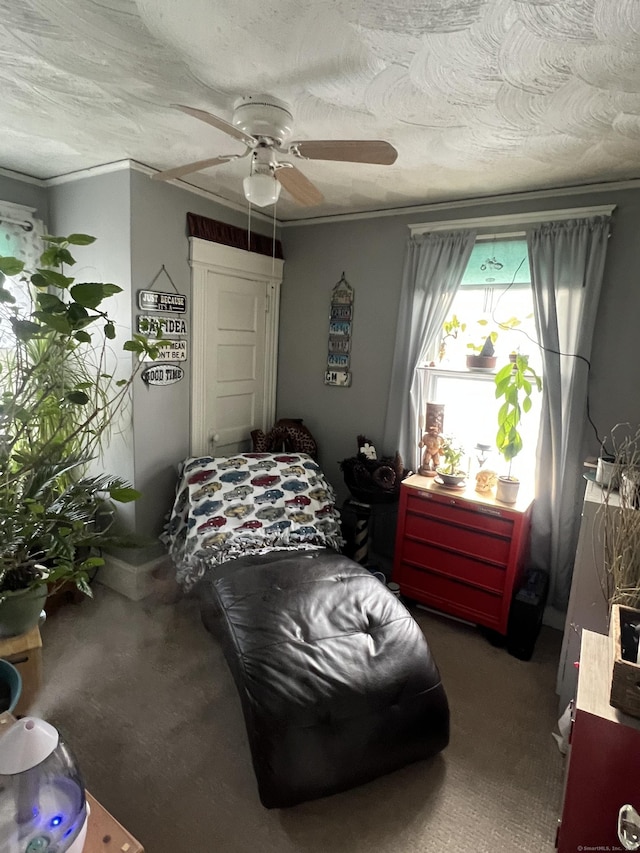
483, 356
450, 329
515, 383
450, 471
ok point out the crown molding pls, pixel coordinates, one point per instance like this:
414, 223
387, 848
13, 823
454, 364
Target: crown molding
25, 179
435, 207
134, 166
210, 196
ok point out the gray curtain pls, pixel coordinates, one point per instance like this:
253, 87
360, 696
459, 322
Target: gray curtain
567, 265
433, 269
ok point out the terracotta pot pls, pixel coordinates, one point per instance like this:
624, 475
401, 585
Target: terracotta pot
507, 489
481, 362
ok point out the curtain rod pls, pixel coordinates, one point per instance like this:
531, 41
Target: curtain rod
23, 223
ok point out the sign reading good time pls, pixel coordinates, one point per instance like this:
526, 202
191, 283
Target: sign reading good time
162, 374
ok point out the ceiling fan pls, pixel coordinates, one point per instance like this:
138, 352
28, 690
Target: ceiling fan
264, 124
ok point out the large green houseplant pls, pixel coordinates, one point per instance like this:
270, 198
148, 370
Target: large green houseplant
59, 396
514, 383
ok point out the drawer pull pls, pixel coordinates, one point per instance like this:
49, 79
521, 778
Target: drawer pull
487, 511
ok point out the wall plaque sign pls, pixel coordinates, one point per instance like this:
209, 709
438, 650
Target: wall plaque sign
338, 377
339, 347
171, 327
170, 351
157, 300
162, 374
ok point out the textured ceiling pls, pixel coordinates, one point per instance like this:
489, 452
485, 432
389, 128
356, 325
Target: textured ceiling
479, 96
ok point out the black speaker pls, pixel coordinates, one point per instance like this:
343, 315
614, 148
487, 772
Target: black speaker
525, 616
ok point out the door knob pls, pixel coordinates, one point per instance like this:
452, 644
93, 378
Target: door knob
629, 827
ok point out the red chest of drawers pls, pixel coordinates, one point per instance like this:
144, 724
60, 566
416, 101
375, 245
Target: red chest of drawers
459, 551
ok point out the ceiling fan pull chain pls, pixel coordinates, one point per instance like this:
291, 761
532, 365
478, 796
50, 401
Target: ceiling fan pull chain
273, 241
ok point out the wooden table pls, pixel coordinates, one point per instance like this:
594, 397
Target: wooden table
104, 833
25, 653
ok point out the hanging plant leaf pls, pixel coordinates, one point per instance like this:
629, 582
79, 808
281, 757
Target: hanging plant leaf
25, 330
79, 398
123, 494
55, 279
80, 239
10, 266
51, 303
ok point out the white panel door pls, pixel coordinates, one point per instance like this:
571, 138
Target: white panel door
235, 342
234, 361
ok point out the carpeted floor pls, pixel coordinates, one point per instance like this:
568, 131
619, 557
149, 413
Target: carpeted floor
143, 696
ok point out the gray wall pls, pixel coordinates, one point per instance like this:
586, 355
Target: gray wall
31, 195
161, 415
371, 251
100, 206
141, 225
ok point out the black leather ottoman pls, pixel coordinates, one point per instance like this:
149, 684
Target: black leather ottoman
337, 683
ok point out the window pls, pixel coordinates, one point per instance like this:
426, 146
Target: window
495, 290
20, 236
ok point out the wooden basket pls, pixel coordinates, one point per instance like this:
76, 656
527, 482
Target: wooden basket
625, 680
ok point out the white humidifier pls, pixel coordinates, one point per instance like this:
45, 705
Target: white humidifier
42, 801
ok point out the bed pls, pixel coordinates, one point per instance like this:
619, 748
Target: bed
336, 681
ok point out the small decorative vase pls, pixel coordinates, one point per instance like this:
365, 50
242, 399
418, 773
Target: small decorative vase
507, 490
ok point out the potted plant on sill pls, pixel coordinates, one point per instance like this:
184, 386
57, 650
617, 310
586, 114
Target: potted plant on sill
450, 471
515, 383
451, 328
58, 400
483, 356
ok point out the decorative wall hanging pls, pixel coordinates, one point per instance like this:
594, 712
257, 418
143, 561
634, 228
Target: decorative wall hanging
167, 303
171, 327
340, 321
170, 351
162, 374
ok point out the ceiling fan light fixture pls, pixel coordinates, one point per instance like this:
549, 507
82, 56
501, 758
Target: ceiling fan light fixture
261, 190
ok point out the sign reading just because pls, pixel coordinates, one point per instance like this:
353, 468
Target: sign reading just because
166, 303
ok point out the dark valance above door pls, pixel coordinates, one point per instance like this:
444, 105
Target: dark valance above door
230, 235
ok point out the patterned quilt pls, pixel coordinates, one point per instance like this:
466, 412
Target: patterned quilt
252, 503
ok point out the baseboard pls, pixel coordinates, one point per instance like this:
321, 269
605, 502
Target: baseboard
134, 582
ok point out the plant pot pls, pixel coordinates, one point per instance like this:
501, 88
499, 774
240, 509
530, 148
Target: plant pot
457, 479
10, 686
606, 475
630, 488
507, 489
481, 362
20, 610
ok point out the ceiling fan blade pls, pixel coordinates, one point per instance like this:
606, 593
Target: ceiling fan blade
215, 121
194, 167
347, 150
298, 186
